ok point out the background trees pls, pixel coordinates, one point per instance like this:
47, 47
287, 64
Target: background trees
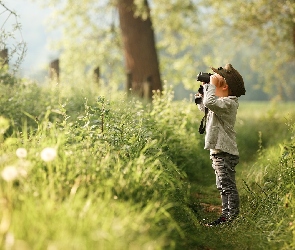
190, 36
268, 28
12, 45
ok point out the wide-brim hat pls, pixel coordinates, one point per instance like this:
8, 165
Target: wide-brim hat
233, 79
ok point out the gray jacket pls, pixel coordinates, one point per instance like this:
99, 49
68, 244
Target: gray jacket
221, 118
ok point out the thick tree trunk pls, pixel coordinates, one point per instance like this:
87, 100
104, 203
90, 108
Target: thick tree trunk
139, 46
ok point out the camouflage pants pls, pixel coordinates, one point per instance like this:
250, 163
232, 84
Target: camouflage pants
224, 165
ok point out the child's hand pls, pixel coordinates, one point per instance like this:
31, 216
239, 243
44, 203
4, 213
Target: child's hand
215, 79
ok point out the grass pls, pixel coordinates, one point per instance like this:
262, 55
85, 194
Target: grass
123, 174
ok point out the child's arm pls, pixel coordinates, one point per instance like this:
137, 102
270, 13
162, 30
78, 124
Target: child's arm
212, 102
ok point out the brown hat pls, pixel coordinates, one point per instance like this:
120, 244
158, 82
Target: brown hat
233, 79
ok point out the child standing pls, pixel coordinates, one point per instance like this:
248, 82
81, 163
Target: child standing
220, 104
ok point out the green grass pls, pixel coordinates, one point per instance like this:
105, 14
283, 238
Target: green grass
134, 175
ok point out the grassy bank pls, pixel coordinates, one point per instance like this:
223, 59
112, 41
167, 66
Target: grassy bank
85, 169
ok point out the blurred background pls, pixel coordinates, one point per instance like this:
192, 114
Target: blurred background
128, 43
36, 34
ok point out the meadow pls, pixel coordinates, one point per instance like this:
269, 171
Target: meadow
86, 168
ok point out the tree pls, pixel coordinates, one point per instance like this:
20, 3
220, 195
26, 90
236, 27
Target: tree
191, 35
92, 36
139, 46
268, 25
88, 41
12, 45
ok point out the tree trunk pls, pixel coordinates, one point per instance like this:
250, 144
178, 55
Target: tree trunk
139, 46
4, 57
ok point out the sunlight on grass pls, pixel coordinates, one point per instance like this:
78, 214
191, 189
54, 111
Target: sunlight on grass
80, 170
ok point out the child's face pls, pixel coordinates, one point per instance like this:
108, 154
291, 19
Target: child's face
220, 84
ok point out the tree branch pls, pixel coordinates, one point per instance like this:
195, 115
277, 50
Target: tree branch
6, 9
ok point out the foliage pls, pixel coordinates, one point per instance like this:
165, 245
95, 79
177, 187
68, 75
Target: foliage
267, 26
109, 159
99, 170
190, 37
11, 39
186, 44
268, 181
280, 181
90, 39
6, 77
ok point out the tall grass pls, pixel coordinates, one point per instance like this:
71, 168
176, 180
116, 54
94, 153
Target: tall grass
82, 168
109, 184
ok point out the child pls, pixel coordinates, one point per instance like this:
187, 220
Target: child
220, 103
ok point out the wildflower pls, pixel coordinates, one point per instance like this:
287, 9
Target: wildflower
48, 154
9, 240
21, 153
9, 173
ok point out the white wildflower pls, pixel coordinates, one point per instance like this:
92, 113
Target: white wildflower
9, 173
21, 153
48, 154
9, 241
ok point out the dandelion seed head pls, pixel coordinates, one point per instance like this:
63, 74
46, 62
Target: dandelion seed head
9, 240
21, 153
48, 154
9, 173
